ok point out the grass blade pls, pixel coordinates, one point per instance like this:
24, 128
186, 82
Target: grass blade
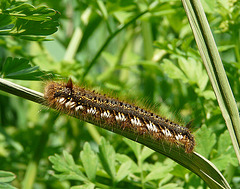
213, 64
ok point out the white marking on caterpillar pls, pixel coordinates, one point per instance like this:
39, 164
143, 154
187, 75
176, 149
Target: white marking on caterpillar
120, 117
69, 104
80, 107
106, 114
92, 111
62, 100
72, 104
152, 127
167, 132
179, 137
136, 121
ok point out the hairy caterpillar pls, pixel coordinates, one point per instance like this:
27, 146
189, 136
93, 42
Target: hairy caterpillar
105, 111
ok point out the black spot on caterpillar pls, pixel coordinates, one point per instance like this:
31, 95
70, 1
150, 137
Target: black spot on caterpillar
101, 110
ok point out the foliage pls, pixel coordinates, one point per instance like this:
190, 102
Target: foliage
21, 69
151, 57
6, 177
118, 169
26, 21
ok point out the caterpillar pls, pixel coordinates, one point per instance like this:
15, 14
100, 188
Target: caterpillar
101, 110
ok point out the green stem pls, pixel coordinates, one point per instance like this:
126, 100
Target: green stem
103, 10
21, 91
73, 45
149, 78
141, 170
237, 45
213, 64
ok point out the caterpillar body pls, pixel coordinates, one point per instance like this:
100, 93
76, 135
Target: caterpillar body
101, 110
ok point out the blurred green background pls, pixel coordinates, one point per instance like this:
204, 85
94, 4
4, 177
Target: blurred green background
147, 57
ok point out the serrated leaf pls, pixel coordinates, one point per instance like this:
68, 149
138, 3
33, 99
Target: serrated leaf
20, 68
68, 158
205, 140
225, 152
84, 186
26, 19
124, 158
123, 171
207, 94
173, 71
66, 165
107, 158
170, 186
145, 153
90, 161
14, 65
57, 163
159, 171
224, 142
136, 148
194, 71
222, 161
6, 186
28, 11
6, 176
69, 176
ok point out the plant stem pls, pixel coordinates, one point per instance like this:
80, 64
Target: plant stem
21, 91
213, 64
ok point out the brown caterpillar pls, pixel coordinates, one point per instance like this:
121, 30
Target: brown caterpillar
105, 111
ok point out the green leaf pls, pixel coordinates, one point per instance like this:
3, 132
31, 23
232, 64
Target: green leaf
136, 148
6, 186
170, 186
194, 71
5, 20
224, 143
6, 176
34, 38
146, 152
123, 16
29, 12
20, 68
122, 158
107, 157
84, 186
90, 161
191, 72
222, 161
70, 171
123, 171
26, 19
209, 6
207, 94
173, 71
205, 141
225, 152
159, 171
